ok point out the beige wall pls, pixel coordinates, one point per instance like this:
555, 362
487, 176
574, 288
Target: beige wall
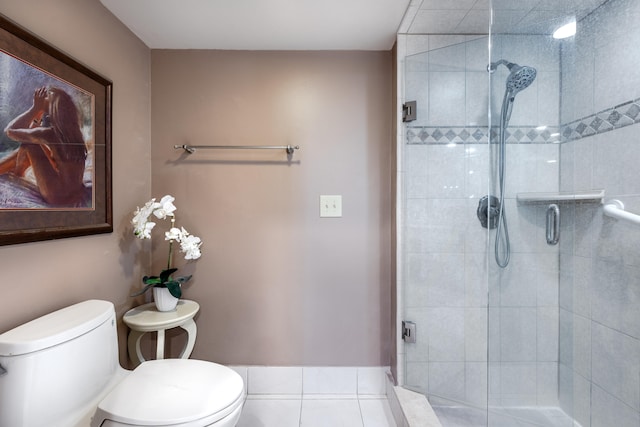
277, 284
40, 277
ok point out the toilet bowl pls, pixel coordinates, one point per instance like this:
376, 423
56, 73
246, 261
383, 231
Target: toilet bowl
179, 392
62, 370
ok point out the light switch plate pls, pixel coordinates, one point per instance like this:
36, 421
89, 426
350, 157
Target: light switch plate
331, 206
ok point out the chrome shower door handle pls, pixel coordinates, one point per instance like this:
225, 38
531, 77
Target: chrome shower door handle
553, 224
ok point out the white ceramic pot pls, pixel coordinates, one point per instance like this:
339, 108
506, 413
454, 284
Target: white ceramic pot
164, 300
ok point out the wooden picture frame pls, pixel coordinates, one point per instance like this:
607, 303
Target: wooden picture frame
55, 170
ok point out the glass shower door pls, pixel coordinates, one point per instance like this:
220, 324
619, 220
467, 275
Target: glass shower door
445, 168
523, 266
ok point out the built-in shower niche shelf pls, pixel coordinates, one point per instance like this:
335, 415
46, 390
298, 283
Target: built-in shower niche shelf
590, 196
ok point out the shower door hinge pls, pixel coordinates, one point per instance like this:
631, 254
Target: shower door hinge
408, 332
409, 111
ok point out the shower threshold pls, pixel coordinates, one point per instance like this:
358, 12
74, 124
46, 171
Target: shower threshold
465, 416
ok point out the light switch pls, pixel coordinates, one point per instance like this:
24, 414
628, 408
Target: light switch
330, 206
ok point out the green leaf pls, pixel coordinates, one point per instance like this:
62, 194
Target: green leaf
164, 281
174, 288
145, 289
151, 280
166, 274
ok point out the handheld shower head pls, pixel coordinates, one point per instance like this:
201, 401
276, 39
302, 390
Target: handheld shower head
520, 77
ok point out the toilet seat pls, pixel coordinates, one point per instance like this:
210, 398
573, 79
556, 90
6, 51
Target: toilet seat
172, 393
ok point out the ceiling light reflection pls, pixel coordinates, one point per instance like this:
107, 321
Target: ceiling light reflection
567, 30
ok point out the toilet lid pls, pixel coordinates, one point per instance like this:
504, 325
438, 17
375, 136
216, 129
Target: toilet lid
173, 392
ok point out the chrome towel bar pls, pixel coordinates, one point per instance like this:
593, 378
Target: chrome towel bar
192, 148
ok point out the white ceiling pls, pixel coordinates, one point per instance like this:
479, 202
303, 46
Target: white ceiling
330, 24
262, 24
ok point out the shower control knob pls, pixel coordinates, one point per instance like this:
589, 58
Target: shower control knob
488, 211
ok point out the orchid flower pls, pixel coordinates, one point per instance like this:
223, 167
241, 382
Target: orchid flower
141, 224
165, 208
189, 244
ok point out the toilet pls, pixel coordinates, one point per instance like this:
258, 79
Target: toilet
62, 370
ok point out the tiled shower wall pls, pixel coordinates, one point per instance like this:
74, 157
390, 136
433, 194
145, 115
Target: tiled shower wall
446, 257
600, 259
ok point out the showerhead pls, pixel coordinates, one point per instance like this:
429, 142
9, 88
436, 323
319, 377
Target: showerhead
520, 77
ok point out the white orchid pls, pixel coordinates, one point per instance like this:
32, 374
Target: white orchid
189, 245
143, 230
173, 234
141, 224
165, 207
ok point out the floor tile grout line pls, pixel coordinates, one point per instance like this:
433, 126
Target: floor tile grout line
360, 408
361, 416
301, 398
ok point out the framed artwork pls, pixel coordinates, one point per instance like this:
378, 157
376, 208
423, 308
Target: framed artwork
55, 142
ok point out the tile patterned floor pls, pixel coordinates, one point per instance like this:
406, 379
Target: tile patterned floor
320, 412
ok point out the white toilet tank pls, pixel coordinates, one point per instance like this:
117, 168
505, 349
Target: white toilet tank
54, 368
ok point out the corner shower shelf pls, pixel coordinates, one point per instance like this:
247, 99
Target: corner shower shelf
589, 196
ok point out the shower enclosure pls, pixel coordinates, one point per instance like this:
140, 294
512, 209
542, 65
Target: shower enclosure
548, 333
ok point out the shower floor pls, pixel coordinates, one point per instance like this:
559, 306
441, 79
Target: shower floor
459, 416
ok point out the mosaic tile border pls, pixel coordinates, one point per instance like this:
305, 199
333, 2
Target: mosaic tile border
477, 134
606, 120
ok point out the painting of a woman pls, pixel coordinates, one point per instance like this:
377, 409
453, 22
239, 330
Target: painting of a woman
52, 145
